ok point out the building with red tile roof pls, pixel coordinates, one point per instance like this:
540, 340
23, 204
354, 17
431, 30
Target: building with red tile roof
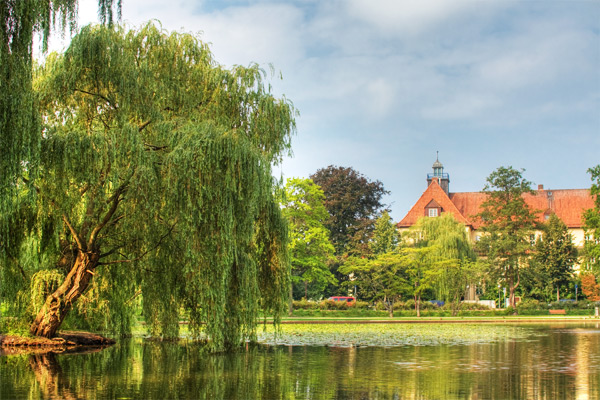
567, 204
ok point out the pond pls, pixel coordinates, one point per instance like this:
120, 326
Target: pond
460, 362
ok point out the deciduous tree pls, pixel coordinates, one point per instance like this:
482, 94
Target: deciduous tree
353, 202
591, 219
385, 235
310, 250
454, 256
507, 223
589, 287
556, 253
155, 174
383, 276
375, 276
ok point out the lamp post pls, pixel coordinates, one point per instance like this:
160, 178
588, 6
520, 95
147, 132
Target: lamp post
499, 296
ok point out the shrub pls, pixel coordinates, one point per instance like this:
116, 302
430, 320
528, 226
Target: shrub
333, 305
530, 305
509, 310
409, 305
361, 305
399, 305
304, 304
473, 306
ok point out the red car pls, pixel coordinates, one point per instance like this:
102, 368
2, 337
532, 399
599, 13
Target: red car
349, 300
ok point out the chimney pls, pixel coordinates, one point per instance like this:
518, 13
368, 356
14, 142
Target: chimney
540, 187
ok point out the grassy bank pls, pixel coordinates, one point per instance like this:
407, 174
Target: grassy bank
361, 313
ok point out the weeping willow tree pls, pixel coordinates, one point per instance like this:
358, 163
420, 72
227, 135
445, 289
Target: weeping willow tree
154, 179
453, 256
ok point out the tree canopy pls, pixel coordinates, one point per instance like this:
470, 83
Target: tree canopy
385, 235
310, 250
353, 203
556, 254
154, 176
381, 273
591, 219
453, 256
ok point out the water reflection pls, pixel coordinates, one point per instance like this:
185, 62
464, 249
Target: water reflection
552, 362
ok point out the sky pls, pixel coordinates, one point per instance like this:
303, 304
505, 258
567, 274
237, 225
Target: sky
383, 85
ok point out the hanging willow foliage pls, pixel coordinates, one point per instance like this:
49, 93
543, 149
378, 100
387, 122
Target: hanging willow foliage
454, 254
20, 125
155, 175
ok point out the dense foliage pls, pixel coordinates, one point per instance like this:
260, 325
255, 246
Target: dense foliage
453, 257
507, 223
20, 123
591, 220
310, 250
354, 203
154, 178
556, 254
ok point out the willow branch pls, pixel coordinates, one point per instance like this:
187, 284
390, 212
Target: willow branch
106, 99
84, 189
143, 254
64, 216
74, 233
154, 147
111, 251
116, 199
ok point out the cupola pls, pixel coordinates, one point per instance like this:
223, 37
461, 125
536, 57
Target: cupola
438, 175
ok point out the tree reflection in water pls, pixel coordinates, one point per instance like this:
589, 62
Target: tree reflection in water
554, 362
49, 376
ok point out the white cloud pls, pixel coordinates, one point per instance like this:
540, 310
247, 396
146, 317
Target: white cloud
380, 84
410, 16
263, 33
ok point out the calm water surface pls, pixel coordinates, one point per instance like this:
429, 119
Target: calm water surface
548, 362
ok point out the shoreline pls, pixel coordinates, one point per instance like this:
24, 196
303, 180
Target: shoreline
65, 341
434, 320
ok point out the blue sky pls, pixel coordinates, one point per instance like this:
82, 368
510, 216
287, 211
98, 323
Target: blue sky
382, 85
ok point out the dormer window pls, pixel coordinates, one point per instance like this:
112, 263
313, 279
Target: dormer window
433, 209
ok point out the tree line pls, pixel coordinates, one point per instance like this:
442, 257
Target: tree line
359, 251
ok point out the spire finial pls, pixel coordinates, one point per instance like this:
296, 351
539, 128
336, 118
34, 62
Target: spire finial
437, 155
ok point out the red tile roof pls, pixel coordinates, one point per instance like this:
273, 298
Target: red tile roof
436, 193
567, 204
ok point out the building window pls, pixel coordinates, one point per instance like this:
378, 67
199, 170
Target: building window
433, 212
532, 240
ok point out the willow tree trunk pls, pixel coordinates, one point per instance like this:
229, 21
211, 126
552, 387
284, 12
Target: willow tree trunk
58, 304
